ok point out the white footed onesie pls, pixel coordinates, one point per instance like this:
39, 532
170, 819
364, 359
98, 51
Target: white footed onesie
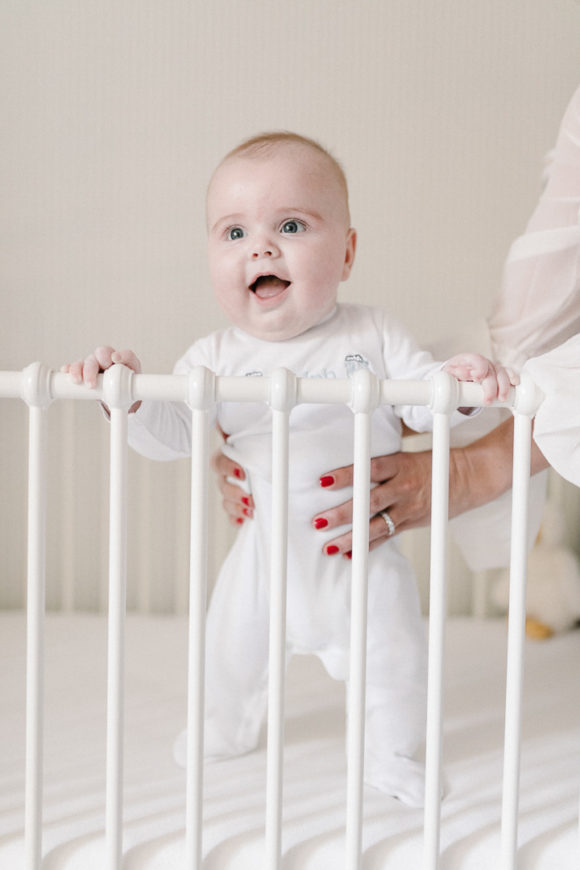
321, 437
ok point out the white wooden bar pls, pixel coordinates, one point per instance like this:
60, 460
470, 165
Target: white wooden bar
516, 639
35, 636
116, 639
527, 400
117, 392
443, 404
201, 396
282, 399
365, 397
34, 386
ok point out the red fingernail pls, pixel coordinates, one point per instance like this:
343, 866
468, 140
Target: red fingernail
239, 521
332, 550
238, 472
327, 480
320, 523
247, 512
348, 554
246, 500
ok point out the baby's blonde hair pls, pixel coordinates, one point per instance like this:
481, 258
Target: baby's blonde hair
266, 143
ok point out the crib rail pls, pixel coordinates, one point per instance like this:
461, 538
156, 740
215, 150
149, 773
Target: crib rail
38, 386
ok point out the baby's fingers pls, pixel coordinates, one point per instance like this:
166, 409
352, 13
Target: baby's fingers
506, 378
75, 370
126, 358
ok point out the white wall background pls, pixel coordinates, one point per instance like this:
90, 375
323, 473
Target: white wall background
115, 113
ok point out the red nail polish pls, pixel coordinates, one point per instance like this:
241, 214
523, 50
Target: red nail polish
247, 512
239, 521
238, 473
246, 500
332, 550
348, 554
320, 523
327, 480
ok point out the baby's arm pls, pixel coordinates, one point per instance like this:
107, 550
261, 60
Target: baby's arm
495, 379
85, 371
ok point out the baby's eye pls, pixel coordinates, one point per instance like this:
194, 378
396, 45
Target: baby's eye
235, 233
293, 226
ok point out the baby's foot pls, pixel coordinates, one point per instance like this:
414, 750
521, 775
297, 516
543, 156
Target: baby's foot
402, 778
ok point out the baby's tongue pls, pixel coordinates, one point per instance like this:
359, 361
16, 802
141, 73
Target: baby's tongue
269, 286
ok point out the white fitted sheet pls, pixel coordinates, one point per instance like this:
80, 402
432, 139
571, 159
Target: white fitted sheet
314, 758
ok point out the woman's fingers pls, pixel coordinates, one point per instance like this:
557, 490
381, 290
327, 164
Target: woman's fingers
237, 503
406, 496
226, 467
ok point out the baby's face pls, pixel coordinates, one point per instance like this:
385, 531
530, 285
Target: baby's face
279, 240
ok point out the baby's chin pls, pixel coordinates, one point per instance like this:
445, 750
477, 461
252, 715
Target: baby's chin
285, 328
283, 333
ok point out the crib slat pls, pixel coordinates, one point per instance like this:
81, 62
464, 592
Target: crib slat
35, 636
516, 638
437, 615
196, 664
358, 641
277, 638
116, 640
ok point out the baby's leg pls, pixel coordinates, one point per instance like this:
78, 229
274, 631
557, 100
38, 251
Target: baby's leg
396, 684
236, 660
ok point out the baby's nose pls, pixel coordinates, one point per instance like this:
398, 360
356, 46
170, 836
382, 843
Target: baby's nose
263, 249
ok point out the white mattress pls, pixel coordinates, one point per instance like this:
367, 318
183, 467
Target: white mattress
315, 761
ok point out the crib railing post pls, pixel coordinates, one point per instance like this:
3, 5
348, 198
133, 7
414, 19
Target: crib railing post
36, 392
443, 403
201, 397
528, 398
282, 400
117, 394
365, 394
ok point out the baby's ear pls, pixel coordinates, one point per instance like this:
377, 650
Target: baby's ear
350, 252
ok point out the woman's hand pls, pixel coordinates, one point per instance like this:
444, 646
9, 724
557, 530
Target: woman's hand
479, 472
403, 489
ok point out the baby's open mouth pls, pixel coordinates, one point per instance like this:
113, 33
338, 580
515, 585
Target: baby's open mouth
267, 286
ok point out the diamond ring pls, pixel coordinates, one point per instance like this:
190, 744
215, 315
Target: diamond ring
389, 522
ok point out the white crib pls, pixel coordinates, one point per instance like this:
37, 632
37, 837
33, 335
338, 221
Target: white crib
370, 831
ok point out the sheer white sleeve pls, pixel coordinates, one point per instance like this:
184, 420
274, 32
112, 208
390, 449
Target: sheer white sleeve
538, 307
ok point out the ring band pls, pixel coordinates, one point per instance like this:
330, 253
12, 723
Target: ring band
389, 522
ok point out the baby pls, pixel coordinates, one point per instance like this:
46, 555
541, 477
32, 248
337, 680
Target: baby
280, 243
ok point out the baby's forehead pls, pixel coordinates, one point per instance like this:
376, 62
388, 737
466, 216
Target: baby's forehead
299, 158
296, 155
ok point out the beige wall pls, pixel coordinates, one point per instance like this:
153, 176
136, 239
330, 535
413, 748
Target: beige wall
116, 112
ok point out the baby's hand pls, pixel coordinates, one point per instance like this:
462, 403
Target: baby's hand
495, 380
85, 371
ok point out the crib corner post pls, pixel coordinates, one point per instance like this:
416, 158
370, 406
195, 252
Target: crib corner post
36, 391
526, 402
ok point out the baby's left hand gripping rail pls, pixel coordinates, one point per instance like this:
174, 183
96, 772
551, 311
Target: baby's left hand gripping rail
119, 388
